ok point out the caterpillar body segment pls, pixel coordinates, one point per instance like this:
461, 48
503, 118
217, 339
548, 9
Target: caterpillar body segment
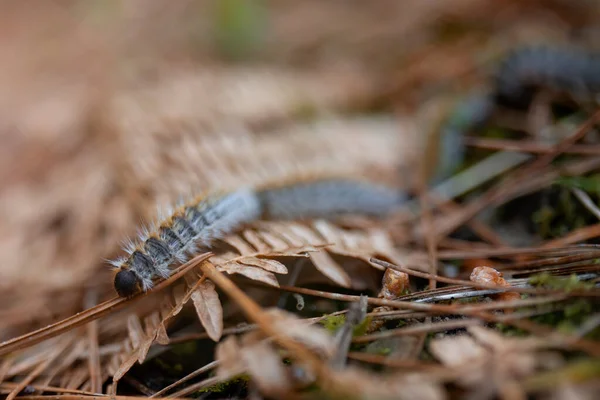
197, 224
329, 198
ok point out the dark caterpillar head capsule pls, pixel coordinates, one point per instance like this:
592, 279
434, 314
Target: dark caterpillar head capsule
127, 283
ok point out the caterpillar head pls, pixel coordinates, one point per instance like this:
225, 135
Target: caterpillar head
127, 283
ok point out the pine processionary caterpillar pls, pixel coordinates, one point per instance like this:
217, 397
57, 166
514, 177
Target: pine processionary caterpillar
522, 72
199, 223
527, 69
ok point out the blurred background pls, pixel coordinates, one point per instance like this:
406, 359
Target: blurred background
110, 108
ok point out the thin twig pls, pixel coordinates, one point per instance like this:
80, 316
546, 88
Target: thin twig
199, 371
528, 146
421, 328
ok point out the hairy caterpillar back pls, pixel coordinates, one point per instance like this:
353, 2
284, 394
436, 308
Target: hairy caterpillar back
174, 238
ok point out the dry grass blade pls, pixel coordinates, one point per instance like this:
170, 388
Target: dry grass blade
186, 378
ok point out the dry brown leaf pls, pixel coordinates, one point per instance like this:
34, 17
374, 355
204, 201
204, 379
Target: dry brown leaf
497, 342
240, 244
457, 350
357, 243
331, 269
486, 357
254, 355
209, 309
266, 264
135, 330
266, 368
289, 325
360, 383
254, 273
227, 354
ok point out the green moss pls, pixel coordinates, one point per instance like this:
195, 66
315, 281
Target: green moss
561, 214
227, 385
549, 281
361, 329
569, 317
590, 184
335, 322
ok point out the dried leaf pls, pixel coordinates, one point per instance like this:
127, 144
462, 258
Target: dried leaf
255, 239
495, 341
265, 366
331, 269
135, 330
209, 309
457, 350
152, 325
240, 244
254, 273
266, 264
227, 354
365, 384
124, 367
288, 324
277, 244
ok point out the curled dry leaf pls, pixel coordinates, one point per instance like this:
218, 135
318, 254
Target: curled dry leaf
209, 309
254, 273
266, 264
331, 269
315, 337
491, 276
